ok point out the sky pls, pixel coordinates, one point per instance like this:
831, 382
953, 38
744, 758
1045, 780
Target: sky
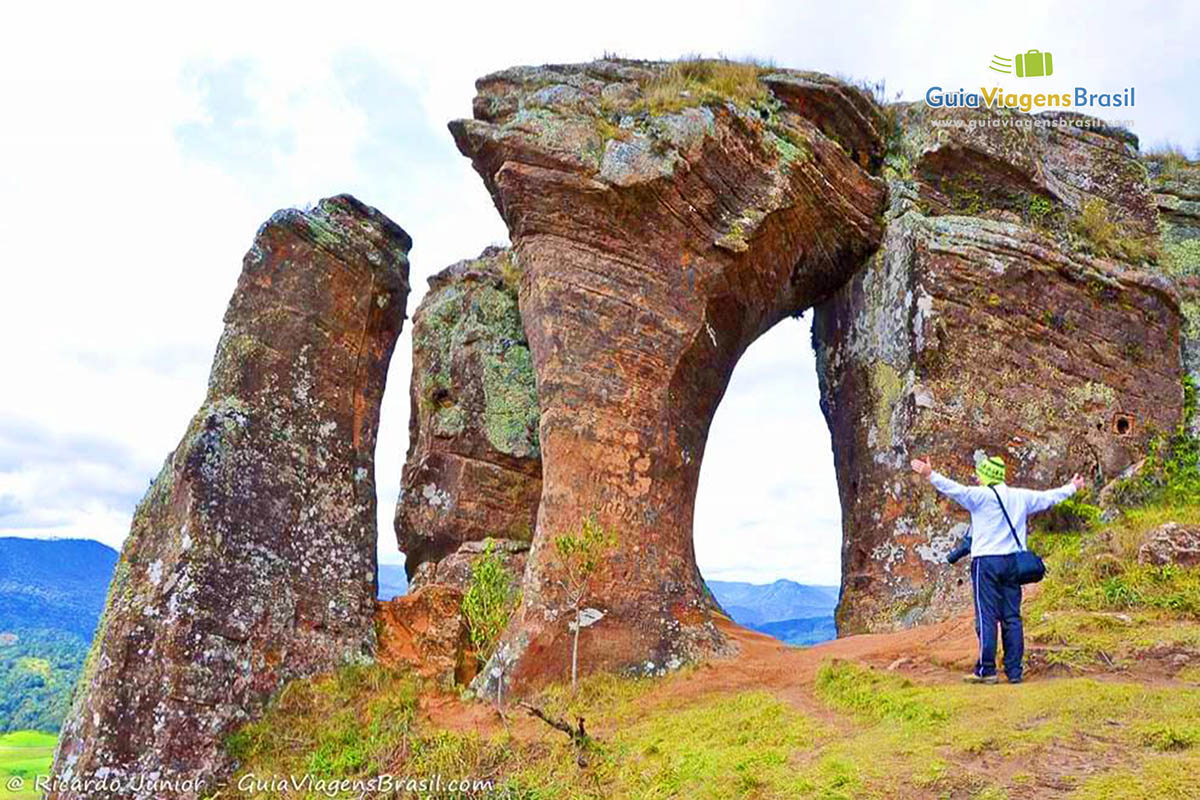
142, 146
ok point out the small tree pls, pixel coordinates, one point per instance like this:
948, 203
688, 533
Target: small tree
579, 554
488, 601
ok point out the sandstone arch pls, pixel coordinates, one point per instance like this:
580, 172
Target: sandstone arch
663, 216
654, 248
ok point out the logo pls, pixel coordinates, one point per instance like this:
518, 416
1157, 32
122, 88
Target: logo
1030, 64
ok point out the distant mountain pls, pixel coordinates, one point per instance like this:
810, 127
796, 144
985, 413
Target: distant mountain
753, 604
800, 632
52, 592
59, 584
392, 581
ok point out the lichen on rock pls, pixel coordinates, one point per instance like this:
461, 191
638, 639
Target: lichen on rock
473, 469
251, 559
984, 324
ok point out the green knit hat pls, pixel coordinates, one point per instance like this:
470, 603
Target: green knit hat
990, 470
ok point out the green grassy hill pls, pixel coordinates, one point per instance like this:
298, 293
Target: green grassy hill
1108, 711
24, 755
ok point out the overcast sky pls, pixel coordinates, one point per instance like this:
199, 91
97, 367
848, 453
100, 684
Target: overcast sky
140, 148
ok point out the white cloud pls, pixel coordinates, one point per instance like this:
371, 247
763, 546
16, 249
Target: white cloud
142, 146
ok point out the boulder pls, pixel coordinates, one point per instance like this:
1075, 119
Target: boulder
663, 217
251, 559
1172, 543
473, 469
425, 631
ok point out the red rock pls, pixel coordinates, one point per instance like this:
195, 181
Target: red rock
1015, 307
988, 322
654, 247
425, 631
251, 560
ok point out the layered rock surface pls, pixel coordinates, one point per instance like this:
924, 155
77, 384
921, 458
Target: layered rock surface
1012, 309
1175, 182
663, 217
473, 470
251, 559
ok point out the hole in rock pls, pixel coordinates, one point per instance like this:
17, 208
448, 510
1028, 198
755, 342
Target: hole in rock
767, 528
1122, 424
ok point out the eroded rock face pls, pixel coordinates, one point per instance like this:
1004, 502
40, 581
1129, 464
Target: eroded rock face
251, 560
1176, 185
662, 219
425, 631
1012, 309
474, 463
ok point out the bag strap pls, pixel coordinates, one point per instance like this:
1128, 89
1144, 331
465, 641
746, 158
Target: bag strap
1004, 511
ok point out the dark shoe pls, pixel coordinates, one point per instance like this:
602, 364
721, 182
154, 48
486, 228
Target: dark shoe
990, 680
1017, 679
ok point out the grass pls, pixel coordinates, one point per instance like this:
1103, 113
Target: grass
883, 734
1099, 605
24, 754
702, 81
1094, 228
1171, 156
936, 734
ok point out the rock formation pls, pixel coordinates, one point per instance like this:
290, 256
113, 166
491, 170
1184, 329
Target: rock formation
663, 216
474, 467
1012, 309
251, 559
998, 290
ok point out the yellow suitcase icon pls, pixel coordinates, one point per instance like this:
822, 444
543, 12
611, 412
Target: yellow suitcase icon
1034, 64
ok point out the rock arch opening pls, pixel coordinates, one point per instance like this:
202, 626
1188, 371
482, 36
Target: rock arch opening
767, 510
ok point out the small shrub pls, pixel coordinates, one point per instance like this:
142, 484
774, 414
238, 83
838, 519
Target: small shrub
1038, 209
488, 602
510, 272
579, 555
1071, 515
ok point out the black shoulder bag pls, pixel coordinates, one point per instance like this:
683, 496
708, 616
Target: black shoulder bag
1030, 567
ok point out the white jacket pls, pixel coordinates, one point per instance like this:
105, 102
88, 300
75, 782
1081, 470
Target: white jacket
989, 532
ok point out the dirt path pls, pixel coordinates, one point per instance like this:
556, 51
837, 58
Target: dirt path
932, 653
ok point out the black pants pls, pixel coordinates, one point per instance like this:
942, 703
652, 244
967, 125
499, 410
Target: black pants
998, 602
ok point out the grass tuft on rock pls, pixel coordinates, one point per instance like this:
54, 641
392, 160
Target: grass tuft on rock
700, 81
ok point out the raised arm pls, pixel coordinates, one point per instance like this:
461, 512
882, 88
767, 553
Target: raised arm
1040, 501
965, 496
